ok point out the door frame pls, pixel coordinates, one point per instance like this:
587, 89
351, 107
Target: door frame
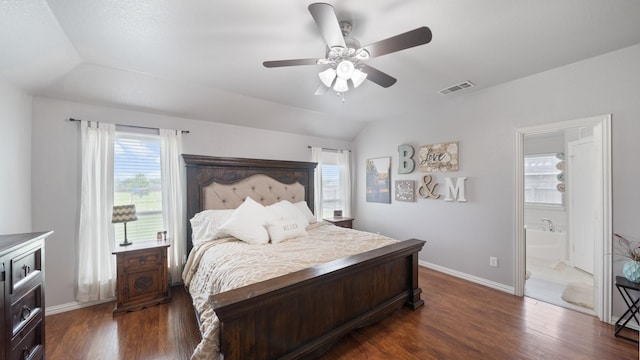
602, 265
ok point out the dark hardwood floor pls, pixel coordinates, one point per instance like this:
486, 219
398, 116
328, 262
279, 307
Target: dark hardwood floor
167, 331
460, 320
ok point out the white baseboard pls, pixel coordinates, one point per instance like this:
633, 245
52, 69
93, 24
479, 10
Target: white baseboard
472, 278
631, 324
75, 305
56, 309
495, 285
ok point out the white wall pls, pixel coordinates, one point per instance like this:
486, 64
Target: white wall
462, 236
56, 183
15, 160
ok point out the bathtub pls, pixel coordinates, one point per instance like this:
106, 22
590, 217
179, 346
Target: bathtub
543, 244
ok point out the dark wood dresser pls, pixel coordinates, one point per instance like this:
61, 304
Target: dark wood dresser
22, 295
143, 276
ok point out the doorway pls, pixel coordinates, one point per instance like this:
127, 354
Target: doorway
556, 221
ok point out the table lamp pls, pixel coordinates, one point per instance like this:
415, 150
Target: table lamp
124, 214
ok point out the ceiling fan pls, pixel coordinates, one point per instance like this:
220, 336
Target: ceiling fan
345, 57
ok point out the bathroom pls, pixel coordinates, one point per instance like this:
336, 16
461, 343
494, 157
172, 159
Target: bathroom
559, 267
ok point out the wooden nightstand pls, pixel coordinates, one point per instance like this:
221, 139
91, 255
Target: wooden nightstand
143, 276
342, 221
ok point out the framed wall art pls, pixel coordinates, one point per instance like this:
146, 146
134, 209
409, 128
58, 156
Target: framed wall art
405, 190
379, 180
439, 157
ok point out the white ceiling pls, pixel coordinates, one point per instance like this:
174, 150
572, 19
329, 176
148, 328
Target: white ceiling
202, 59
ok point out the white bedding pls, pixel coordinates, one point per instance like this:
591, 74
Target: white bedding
228, 263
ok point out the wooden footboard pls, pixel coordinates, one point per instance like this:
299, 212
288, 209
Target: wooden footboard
300, 315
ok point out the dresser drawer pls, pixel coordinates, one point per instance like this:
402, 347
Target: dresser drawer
25, 309
25, 267
142, 259
27, 345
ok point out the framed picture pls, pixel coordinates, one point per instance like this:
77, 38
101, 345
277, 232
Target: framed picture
379, 180
439, 157
405, 190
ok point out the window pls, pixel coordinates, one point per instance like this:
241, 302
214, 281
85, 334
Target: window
330, 189
137, 181
332, 193
541, 180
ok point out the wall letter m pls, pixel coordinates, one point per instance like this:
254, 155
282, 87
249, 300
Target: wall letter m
455, 192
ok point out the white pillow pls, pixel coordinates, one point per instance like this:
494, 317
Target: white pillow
286, 210
205, 225
247, 223
304, 209
284, 229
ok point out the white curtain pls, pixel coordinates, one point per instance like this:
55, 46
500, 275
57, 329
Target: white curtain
172, 200
344, 166
96, 267
316, 156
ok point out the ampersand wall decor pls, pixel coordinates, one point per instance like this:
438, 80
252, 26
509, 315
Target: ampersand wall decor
425, 191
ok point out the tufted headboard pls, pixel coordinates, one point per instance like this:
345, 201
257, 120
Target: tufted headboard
224, 183
260, 188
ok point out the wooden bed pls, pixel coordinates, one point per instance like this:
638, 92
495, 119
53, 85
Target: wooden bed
301, 314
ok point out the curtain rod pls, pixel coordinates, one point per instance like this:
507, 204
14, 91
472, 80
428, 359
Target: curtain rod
135, 126
330, 149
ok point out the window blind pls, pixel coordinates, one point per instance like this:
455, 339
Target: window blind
137, 181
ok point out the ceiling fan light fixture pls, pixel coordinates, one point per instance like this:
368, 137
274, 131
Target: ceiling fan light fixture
335, 51
358, 78
341, 85
345, 69
327, 76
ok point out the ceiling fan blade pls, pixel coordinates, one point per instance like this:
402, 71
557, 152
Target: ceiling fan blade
295, 62
378, 76
415, 37
327, 22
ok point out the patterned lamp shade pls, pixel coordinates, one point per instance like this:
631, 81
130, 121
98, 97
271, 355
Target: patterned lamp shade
123, 214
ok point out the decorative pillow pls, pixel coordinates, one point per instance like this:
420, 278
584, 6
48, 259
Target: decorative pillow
304, 209
286, 210
247, 223
205, 225
284, 229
